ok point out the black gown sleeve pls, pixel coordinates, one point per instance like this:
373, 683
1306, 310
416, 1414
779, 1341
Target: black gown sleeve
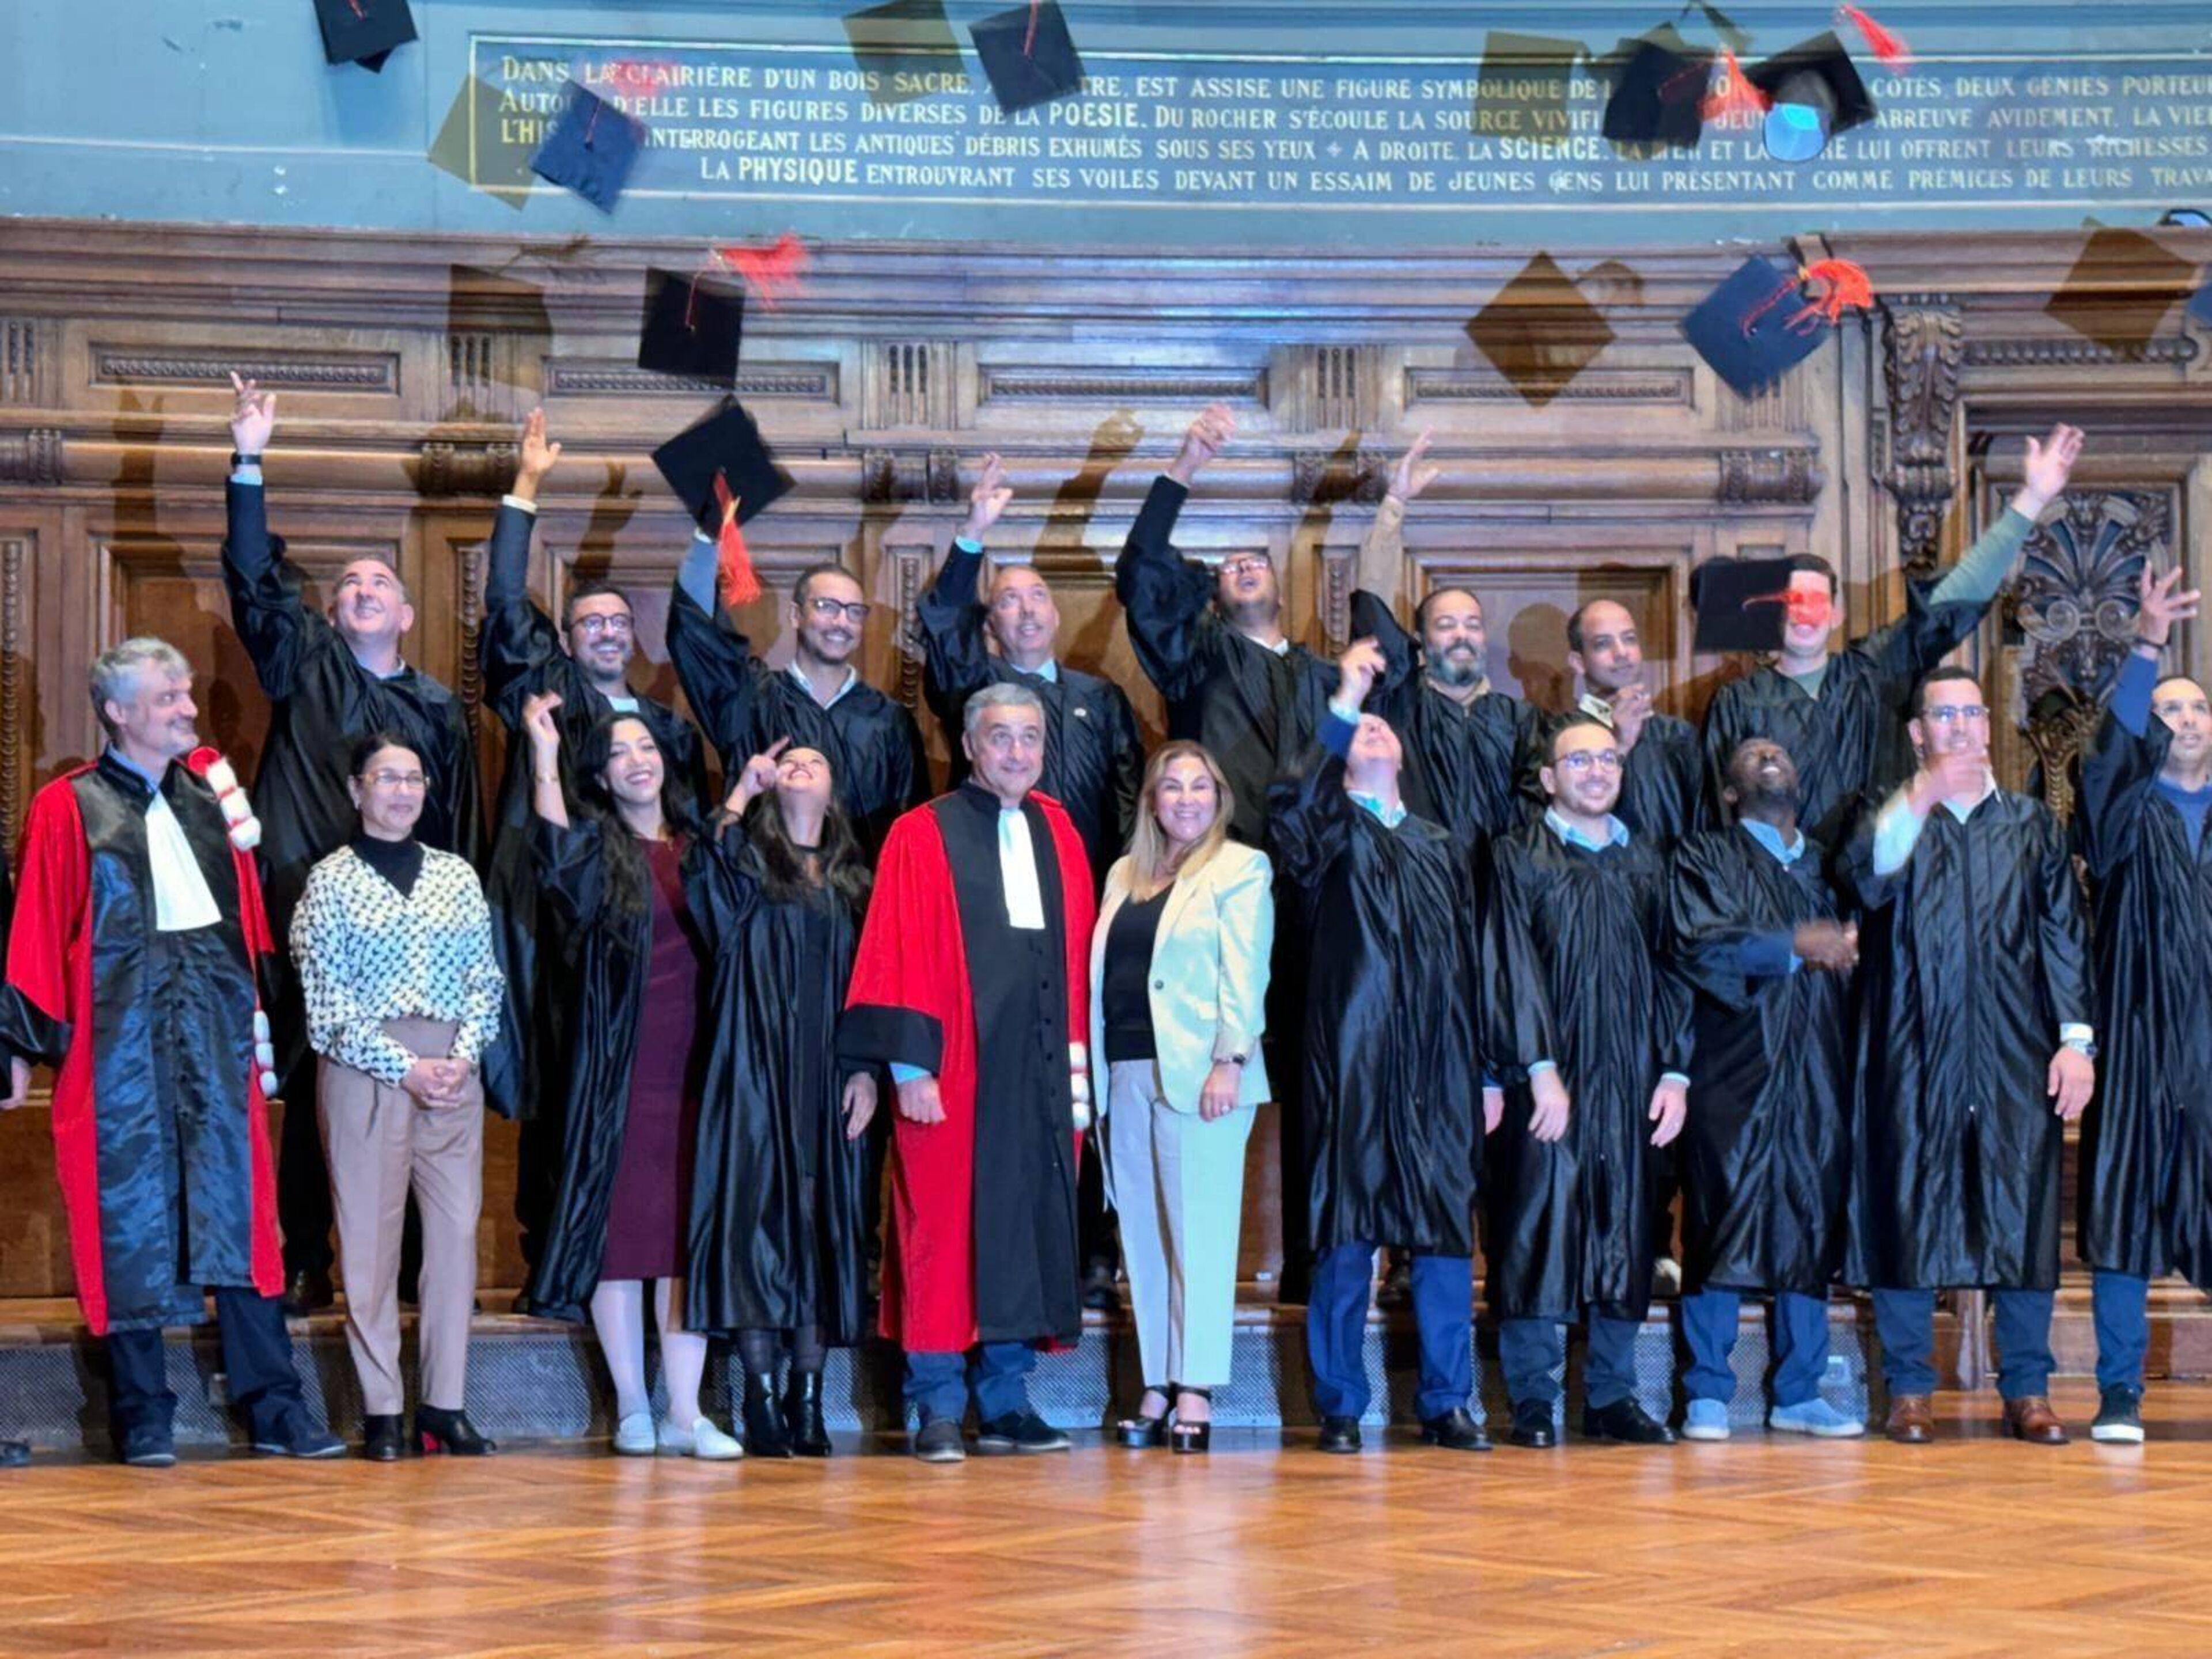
956, 659
1854, 863
1674, 1005
1391, 695
1309, 819
729, 891
2119, 776
1706, 929
571, 865
2063, 941
1517, 1024
1168, 599
273, 622
1125, 765
715, 666
518, 641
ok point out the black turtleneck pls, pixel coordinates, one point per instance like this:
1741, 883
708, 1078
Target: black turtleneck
398, 861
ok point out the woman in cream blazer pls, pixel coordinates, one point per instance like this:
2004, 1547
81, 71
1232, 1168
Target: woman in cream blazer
1178, 993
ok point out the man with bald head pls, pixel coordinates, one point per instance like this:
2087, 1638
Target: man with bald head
2145, 1188
1662, 782
332, 678
1465, 740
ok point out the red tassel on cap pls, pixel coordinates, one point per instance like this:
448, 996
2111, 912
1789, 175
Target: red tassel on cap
768, 270
740, 585
1886, 46
1029, 40
1735, 97
1835, 284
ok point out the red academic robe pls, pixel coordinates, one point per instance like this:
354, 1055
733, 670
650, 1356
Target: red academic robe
935, 944
77, 995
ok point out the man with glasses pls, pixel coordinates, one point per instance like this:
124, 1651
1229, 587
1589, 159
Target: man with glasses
1839, 715
1577, 920
1976, 1051
585, 662
331, 680
816, 701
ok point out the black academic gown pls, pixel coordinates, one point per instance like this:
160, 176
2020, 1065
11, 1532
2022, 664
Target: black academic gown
605, 949
1395, 1043
2146, 1162
779, 1216
322, 701
1765, 1151
872, 743
520, 654
1851, 737
1464, 764
1581, 932
1971, 957
1094, 759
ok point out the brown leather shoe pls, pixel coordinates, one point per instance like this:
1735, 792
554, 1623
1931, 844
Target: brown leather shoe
1912, 1420
2031, 1418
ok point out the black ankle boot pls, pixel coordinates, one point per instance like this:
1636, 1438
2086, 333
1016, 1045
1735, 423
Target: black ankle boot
383, 1439
764, 1431
802, 1415
450, 1432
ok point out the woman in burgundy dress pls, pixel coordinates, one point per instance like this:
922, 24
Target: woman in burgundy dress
614, 882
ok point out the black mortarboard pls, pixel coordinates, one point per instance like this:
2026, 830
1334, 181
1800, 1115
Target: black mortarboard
363, 32
2121, 289
726, 442
1540, 332
469, 146
1028, 55
900, 45
590, 148
691, 327
1659, 86
1815, 93
1740, 604
1732, 34
1753, 328
1521, 91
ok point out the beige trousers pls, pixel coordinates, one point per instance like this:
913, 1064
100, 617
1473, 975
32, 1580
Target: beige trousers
380, 1141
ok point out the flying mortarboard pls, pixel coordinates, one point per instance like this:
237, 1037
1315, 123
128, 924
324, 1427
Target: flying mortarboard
691, 327
469, 146
363, 32
1028, 55
899, 44
724, 471
1539, 332
590, 149
1732, 34
1769, 317
1522, 90
2121, 289
1741, 604
1659, 83
1814, 93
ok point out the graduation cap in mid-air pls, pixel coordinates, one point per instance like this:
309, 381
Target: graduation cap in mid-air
2121, 289
692, 327
1659, 83
1814, 92
1520, 91
1769, 316
1540, 331
1742, 604
363, 32
724, 472
1028, 55
590, 149
906, 48
470, 146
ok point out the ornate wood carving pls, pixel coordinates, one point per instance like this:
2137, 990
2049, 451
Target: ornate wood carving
2057, 352
1769, 477
13, 557
34, 457
1321, 477
606, 377
1925, 334
1339, 567
452, 469
1144, 385
2075, 598
470, 681
909, 569
896, 477
137, 366
25, 355
1594, 384
907, 383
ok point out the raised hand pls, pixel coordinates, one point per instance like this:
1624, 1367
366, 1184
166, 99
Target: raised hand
1548, 1121
1412, 474
253, 418
1358, 670
537, 457
989, 499
2050, 464
2160, 601
1209, 434
1960, 774
1631, 704
538, 724
756, 777
2069, 1080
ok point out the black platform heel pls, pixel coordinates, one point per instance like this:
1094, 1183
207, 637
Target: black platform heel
1142, 1433
449, 1432
1193, 1437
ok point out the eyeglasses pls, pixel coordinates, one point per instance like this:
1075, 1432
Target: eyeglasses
830, 610
396, 780
1247, 561
1948, 713
1606, 760
592, 626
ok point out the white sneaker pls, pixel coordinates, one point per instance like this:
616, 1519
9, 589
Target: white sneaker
634, 1436
702, 1440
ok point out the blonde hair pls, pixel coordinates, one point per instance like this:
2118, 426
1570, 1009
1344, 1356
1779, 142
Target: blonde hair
1150, 853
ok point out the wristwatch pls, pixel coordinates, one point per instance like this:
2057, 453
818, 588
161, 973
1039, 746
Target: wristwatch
240, 459
2085, 1047
1232, 1059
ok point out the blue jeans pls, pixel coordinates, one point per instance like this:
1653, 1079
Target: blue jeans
1906, 1321
937, 1385
1336, 1329
2120, 1305
1800, 1345
1528, 1348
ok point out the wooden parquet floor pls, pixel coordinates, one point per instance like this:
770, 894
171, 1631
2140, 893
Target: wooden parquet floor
1974, 1546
